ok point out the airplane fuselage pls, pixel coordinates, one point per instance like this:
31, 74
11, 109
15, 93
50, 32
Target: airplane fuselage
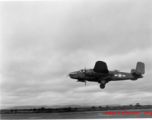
92, 76
102, 75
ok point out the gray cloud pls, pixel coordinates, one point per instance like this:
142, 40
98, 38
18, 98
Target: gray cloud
44, 41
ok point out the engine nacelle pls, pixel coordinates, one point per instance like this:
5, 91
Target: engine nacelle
81, 80
91, 73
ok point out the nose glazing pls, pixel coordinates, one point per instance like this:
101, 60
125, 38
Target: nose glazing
73, 75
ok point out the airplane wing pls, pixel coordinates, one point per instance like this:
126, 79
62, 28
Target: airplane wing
100, 67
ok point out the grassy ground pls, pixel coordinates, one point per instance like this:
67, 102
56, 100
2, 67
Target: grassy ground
78, 115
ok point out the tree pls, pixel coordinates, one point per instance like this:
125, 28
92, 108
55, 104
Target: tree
137, 105
93, 107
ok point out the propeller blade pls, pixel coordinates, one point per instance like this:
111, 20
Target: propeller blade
85, 82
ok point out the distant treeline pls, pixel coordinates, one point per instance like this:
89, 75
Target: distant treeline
69, 109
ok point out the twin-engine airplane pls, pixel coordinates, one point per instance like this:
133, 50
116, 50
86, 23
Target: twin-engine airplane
102, 75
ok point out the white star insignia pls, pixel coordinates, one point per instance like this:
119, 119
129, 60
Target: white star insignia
120, 75
124, 75
116, 75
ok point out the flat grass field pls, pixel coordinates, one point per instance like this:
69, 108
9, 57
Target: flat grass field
79, 115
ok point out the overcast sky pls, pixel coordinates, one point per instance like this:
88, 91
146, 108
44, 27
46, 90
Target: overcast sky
42, 42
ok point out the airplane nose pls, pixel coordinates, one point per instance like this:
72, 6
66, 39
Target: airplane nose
73, 75
70, 74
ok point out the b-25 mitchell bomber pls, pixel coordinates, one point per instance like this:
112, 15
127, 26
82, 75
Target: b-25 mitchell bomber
102, 75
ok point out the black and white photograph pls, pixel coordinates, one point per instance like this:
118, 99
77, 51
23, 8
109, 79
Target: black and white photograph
76, 59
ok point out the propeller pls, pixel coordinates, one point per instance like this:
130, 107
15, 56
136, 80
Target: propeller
85, 75
85, 82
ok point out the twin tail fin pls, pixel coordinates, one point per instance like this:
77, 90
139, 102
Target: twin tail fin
140, 69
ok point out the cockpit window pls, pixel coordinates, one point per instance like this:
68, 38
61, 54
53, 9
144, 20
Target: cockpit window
82, 71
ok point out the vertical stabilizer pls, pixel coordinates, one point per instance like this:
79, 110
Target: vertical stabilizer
140, 68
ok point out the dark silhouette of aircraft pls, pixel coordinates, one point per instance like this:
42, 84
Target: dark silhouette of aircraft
102, 75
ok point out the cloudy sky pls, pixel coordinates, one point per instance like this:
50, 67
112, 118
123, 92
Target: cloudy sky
41, 42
